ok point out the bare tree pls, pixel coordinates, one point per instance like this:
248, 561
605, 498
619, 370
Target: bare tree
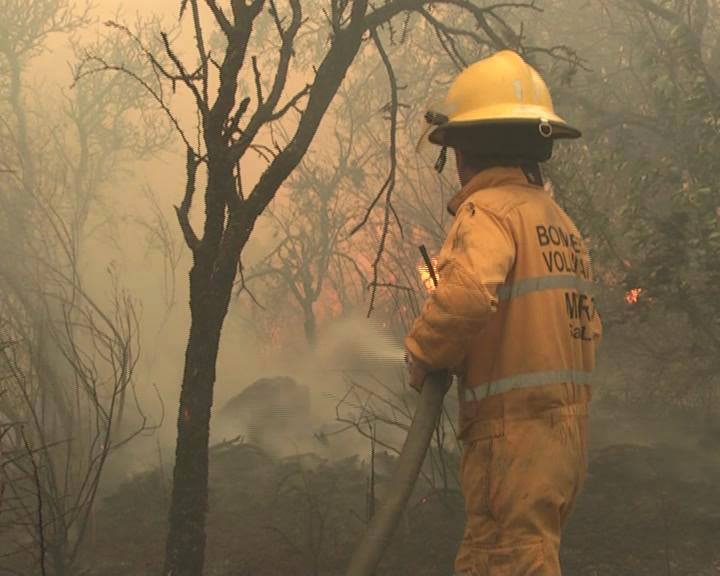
51, 475
70, 368
58, 163
313, 253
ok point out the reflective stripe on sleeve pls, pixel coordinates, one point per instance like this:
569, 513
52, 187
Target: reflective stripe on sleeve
526, 381
550, 282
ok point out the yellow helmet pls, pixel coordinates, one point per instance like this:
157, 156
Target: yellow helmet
499, 91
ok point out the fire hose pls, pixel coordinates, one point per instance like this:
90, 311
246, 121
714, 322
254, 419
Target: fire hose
381, 527
377, 536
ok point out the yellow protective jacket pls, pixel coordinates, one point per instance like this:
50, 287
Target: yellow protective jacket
514, 314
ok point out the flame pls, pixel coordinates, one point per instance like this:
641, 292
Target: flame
426, 277
631, 297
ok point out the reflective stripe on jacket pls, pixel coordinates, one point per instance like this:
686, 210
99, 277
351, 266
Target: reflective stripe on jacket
515, 305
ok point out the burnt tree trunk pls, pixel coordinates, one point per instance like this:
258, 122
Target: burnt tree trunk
186, 538
211, 281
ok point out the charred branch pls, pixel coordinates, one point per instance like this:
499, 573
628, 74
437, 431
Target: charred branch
183, 211
389, 184
103, 66
292, 103
202, 53
233, 61
266, 108
186, 77
220, 17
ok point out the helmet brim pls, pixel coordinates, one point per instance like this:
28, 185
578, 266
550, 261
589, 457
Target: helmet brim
560, 129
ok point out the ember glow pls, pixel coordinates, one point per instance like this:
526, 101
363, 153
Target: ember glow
631, 297
426, 277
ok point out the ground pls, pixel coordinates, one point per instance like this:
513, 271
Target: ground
647, 509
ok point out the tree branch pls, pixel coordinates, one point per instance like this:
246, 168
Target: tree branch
292, 103
187, 78
183, 211
389, 184
266, 109
220, 17
200, 42
106, 67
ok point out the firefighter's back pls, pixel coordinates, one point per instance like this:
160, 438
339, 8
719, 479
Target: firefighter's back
546, 328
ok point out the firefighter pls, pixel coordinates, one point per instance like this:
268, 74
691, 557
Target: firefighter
513, 317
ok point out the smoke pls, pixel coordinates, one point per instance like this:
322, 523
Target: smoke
354, 358
358, 343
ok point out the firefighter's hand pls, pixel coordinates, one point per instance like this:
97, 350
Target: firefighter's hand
418, 371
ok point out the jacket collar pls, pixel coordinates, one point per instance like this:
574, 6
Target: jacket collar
489, 178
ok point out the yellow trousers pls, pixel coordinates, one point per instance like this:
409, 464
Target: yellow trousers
520, 476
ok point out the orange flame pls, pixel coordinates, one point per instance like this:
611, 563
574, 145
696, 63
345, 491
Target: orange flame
426, 277
631, 297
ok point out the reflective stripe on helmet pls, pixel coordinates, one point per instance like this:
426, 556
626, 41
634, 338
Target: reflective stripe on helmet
550, 282
527, 380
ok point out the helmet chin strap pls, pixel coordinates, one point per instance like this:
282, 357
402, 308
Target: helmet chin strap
533, 173
531, 170
442, 160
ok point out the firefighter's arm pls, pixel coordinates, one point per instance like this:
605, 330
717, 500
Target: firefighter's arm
476, 257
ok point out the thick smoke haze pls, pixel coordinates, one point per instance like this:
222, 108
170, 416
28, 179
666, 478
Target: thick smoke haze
311, 403
122, 242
